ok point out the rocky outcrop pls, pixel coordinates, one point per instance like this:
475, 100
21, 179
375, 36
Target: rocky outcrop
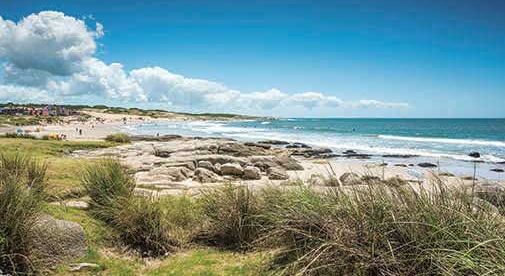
274, 142
56, 241
497, 170
162, 138
241, 150
252, 173
285, 161
298, 146
312, 152
233, 169
259, 145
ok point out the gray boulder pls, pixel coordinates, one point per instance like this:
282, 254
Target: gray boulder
233, 169
56, 241
252, 173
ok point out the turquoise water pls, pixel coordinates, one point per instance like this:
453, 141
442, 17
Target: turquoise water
437, 140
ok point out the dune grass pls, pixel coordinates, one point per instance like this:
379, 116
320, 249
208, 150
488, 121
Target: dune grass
118, 138
151, 226
22, 184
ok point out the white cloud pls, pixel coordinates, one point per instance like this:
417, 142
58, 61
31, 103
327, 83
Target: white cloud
51, 56
379, 104
14, 93
48, 41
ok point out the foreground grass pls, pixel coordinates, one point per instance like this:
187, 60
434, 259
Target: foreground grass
191, 261
63, 172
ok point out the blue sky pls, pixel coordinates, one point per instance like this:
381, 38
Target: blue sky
442, 58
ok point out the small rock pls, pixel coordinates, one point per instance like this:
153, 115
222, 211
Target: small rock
400, 165
275, 173
427, 165
232, 169
205, 176
252, 173
349, 152
474, 154
497, 170
83, 267
161, 153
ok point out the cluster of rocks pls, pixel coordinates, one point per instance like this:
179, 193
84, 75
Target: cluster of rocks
177, 163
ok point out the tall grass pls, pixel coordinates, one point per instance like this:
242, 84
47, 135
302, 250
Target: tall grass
383, 230
231, 216
108, 184
156, 226
22, 183
152, 226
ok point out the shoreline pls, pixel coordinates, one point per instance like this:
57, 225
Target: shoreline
408, 165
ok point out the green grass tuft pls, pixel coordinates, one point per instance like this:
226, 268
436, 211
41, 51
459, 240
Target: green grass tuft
118, 138
22, 183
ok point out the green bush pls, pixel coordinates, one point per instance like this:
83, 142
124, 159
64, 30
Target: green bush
108, 184
152, 226
19, 135
22, 183
231, 216
381, 230
118, 138
145, 224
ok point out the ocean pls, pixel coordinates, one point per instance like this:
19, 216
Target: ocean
445, 141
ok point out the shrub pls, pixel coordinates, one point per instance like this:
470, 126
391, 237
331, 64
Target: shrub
381, 230
156, 226
107, 183
19, 135
152, 226
118, 138
22, 183
231, 214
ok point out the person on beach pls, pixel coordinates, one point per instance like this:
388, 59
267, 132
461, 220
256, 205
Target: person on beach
80, 131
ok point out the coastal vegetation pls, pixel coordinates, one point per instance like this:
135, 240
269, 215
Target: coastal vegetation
378, 227
118, 138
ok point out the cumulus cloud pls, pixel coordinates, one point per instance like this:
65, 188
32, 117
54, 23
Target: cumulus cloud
48, 41
50, 55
